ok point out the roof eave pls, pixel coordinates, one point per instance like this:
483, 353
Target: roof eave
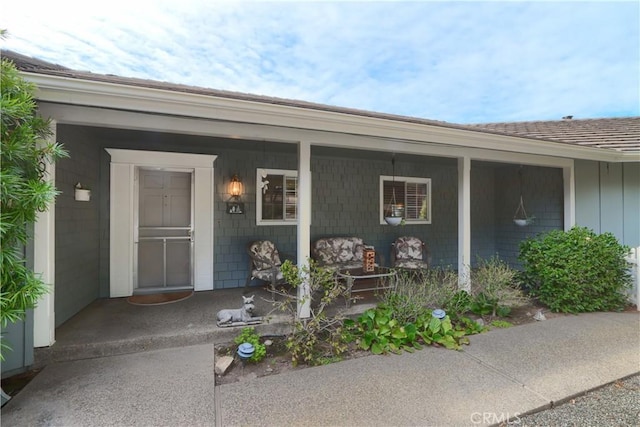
91, 93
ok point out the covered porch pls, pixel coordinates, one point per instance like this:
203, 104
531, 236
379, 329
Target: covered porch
87, 250
473, 195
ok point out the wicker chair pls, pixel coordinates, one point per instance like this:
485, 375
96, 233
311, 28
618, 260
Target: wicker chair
264, 263
410, 253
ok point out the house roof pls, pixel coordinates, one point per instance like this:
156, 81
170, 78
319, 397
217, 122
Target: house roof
34, 65
619, 134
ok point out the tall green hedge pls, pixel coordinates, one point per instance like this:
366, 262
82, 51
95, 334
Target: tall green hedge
576, 271
24, 191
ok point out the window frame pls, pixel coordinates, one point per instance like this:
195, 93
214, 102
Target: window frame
405, 179
285, 173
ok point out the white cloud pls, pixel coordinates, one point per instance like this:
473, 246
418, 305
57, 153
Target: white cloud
454, 61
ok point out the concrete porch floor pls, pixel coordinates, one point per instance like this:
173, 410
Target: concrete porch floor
109, 327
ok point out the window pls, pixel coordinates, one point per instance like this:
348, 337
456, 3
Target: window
412, 194
276, 197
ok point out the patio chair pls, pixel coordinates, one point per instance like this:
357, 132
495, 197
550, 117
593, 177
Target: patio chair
410, 253
265, 263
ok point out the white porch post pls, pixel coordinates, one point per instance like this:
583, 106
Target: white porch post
304, 223
464, 223
569, 182
44, 248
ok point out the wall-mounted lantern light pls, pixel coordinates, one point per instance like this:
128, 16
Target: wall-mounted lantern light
234, 204
235, 187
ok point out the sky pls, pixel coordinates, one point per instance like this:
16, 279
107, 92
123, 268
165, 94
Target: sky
455, 61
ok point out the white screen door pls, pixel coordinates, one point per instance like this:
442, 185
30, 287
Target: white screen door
165, 231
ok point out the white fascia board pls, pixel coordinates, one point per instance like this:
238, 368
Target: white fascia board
68, 114
89, 93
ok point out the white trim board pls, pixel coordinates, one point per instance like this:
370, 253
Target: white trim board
122, 235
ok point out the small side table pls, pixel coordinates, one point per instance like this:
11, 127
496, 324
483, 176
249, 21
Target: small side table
378, 275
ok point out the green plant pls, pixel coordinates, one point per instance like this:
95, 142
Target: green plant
320, 337
249, 335
458, 304
471, 327
417, 292
442, 332
25, 190
577, 270
381, 333
494, 289
501, 324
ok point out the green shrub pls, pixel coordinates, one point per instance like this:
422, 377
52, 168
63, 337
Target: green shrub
494, 289
25, 190
576, 271
417, 293
458, 304
249, 335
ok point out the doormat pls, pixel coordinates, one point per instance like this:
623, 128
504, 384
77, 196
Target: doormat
159, 299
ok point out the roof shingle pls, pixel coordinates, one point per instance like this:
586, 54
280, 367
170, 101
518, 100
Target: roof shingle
620, 134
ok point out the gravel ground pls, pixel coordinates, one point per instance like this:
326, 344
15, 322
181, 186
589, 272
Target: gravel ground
617, 404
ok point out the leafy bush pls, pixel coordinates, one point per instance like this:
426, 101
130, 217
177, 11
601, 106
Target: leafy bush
576, 271
380, 332
494, 289
25, 190
249, 335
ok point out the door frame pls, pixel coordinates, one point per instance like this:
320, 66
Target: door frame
122, 213
136, 230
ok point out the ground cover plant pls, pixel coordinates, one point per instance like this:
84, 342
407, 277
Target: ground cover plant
404, 319
577, 270
249, 335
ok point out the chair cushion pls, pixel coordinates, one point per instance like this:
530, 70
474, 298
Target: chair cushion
335, 250
408, 248
411, 264
265, 255
266, 275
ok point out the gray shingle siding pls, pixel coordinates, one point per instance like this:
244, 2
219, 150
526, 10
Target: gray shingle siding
77, 228
543, 195
345, 201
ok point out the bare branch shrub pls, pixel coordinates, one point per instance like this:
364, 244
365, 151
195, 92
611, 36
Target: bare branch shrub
418, 292
497, 282
320, 337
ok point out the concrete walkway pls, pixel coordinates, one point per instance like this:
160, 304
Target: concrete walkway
503, 373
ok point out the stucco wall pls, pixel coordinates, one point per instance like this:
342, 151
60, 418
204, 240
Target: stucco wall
608, 199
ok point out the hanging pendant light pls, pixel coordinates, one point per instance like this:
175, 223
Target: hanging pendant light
393, 215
